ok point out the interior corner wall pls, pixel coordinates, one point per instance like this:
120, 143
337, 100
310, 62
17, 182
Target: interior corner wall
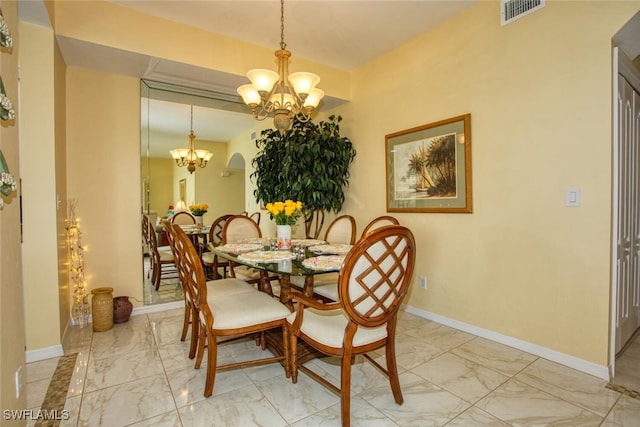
65, 292
12, 338
38, 175
539, 93
103, 174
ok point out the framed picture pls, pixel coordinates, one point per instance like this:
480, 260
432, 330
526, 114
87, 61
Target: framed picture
183, 189
429, 167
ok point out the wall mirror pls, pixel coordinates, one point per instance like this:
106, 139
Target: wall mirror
166, 122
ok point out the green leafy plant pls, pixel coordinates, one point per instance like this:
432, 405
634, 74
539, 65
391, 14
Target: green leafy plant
308, 162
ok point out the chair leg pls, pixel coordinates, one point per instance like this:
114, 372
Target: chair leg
195, 332
285, 350
293, 360
392, 370
202, 343
345, 390
186, 321
212, 354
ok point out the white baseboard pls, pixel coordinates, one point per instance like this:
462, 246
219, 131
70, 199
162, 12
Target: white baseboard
154, 308
44, 353
546, 353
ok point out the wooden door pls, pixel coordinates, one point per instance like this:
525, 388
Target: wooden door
628, 214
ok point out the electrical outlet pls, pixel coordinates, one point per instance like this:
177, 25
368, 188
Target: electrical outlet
18, 382
422, 282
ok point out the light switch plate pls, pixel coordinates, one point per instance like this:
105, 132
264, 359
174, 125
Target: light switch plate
572, 197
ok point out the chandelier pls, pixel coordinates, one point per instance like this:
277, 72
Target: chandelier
281, 94
190, 157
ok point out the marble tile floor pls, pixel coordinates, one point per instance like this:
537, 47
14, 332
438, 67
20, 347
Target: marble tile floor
138, 374
628, 366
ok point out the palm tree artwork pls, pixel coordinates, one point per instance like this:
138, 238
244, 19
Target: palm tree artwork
434, 166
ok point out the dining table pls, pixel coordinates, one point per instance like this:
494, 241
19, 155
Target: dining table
306, 259
198, 234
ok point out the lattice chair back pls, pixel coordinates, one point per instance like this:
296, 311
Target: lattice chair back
215, 232
376, 274
190, 264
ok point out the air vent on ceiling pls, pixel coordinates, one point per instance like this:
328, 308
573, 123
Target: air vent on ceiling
510, 10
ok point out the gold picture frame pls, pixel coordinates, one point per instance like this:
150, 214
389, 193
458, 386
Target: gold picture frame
429, 167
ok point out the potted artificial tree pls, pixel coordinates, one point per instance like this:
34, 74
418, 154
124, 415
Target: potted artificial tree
308, 162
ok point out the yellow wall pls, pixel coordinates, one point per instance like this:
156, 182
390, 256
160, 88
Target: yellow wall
161, 177
103, 164
12, 338
224, 195
39, 208
539, 93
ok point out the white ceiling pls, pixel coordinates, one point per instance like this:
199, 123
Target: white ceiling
340, 33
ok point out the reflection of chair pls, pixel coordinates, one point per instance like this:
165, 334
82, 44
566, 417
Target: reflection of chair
342, 230
225, 315
215, 239
372, 285
183, 218
313, 224
162, 260
145, 235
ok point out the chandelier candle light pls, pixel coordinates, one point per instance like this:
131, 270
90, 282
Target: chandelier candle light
285, 214
282, 94
190, 157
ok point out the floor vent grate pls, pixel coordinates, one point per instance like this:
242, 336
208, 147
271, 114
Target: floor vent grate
510, 10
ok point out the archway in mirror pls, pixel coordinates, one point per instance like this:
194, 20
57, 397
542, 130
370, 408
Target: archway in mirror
167, 187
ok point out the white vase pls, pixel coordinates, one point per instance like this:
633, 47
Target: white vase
198, 220
283, 234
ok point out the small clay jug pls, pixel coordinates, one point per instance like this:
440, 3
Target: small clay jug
122, 309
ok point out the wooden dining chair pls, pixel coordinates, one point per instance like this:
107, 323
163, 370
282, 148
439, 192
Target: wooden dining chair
229, 315
183, 218
209, 259
239, 228
216, 287
163, 263
373, 283
326, 286
342, 230
378, 222
256, 217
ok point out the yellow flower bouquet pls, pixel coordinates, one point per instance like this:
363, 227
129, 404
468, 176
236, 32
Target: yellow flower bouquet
285, 213
199, 209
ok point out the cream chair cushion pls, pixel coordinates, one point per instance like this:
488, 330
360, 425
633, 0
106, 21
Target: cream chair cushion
327, 327
242, 310
223, 287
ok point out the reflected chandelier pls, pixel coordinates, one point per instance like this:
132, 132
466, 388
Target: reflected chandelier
282, 94
190, 157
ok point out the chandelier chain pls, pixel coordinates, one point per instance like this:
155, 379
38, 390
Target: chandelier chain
283, 45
